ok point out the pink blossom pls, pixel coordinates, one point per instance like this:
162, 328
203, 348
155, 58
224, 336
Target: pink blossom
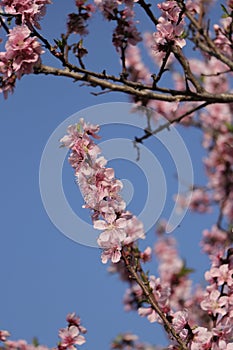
169, 28
213, 242
146, 254
222, 42
4, 335
202, 339
223, 275
170, 10
90, 129
193, 6
23, 50
167, 34
108, 7
223, 333
8, 78
180, 320
111, 248
155, 56
114, 228
162, 294
77, 22
214, 303
30, 10
70, 337
125, 32
148, 312
134, 230
74, 320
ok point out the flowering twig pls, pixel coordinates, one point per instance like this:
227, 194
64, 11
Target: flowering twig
145, 286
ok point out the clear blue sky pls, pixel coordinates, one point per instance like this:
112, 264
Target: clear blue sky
45, 275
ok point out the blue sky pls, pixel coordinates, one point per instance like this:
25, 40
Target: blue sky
45, 275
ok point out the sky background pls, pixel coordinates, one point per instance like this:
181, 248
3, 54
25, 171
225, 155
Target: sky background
45, 275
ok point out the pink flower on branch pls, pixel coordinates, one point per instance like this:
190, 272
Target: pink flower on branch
162, 295
29, 10
21, 56
22, 50
202, 339
74, 320
101, 192
4, 335
70, 337
170, 28
222, 275
214, 303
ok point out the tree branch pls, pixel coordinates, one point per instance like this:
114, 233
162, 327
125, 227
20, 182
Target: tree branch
207, 45
187, 71
131, 89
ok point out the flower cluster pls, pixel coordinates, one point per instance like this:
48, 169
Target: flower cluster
28, 11
22, 50
217, 301
4, 335
170, 28
21, 55
125, 32
72, 335
77, 22
101, 192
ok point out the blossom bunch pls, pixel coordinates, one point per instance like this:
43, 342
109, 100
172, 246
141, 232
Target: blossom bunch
21, 56
169, 28
28, 11
72, 334
22, 49
122, 12
101, 192
70, 337
77, 22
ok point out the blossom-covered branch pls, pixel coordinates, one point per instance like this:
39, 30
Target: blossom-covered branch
70, 337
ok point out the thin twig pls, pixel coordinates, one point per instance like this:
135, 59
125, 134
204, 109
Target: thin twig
145, 286
162, 69
169, 123
187, 71
3, 24
148, 11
